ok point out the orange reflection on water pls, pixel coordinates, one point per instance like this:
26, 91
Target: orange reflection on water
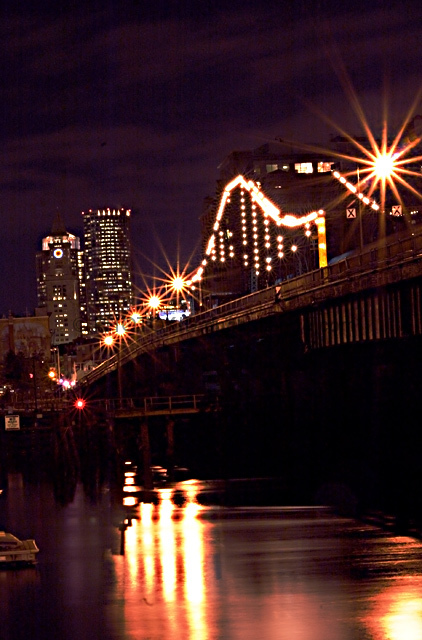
192, 531
397, 611
130, 501
145, 537
167, 546
163, 566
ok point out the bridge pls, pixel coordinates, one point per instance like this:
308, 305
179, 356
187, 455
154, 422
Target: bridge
368, 296
120, 407
318, 378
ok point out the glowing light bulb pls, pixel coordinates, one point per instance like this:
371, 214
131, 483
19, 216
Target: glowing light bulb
383, 165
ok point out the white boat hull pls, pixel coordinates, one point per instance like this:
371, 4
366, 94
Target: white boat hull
15, 551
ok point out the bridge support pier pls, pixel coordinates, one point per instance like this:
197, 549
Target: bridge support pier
146, 456
170, 447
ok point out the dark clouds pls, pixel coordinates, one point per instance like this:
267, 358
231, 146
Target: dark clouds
136, 103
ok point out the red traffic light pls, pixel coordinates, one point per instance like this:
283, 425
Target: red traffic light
79, 403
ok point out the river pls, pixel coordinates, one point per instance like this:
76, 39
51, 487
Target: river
179, 568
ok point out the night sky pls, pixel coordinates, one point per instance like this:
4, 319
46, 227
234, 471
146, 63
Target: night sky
135, 104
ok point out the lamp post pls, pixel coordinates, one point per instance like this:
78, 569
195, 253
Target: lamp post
120, 332
136, 319
154, 303
177, 285
360, 213
34, 378
108, 341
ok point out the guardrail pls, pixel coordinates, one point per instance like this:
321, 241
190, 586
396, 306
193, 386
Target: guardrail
42, 406
156, 404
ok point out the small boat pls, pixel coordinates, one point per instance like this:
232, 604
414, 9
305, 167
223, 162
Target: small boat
15, 551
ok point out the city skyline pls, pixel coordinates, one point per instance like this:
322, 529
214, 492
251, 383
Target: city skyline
84, 289
137, 106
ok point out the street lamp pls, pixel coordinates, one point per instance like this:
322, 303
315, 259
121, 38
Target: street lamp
383, 172
116, 334
120, 331
108, 340
154, 303
55, 350
177, 284
136, 319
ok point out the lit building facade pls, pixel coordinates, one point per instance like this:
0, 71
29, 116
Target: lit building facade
108, 272
29, 336
58, 284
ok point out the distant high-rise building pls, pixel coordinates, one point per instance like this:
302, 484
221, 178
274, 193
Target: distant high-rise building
58, 283
108, 273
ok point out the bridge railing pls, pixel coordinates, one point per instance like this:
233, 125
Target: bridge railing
41, 406
173, 403
156, 404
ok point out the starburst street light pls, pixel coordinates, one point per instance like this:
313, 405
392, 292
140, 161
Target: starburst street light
178, 286
136, 317
108, 340
116, 335
389, 170
379, 170
386, 164
384, 167
154, 302
120, 329
178, 283
168, 283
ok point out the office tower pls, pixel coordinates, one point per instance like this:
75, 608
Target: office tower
108, 276
58, 286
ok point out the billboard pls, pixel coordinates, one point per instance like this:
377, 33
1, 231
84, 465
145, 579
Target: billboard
12, 423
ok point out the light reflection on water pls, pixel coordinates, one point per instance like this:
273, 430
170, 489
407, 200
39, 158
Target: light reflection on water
193, 572
206, 573
164, 561
396, 613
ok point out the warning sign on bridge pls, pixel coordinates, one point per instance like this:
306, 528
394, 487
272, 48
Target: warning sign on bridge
396, 210
12, 423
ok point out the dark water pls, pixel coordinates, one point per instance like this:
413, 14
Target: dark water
194, 572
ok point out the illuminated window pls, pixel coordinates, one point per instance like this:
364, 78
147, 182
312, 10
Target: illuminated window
304, 167
271, 167
324, 167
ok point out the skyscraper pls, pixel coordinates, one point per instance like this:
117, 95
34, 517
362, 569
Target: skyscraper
58, 283
108, 274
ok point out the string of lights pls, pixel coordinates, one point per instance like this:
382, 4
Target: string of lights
259, 217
